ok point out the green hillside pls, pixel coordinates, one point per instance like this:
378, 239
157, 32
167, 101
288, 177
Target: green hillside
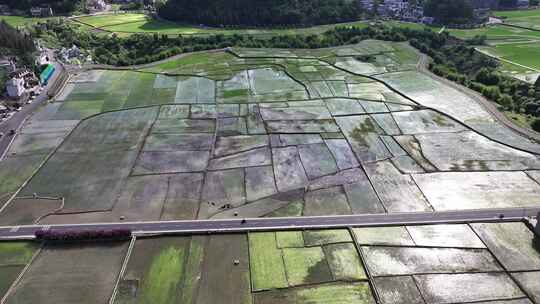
259, 12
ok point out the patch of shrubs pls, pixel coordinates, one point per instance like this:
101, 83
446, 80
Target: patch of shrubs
82, 235
536, 124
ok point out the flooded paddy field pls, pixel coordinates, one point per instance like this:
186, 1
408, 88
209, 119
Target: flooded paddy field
428, 264
262, 133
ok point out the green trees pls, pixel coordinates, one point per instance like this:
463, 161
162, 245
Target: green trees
259, 12
535, 125
15, 43
537, 87
450, 11
477, 40
488, 77
12, 39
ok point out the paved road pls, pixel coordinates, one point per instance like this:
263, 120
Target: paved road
257, 224
15, 122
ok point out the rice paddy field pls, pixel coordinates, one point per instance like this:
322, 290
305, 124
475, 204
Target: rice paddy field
270, 133
516, 42
17, 21
263, 133
516, 48
129, 23
452, 263
525, 18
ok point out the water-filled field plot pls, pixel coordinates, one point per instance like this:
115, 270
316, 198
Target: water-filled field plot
424, 264
71, 273
262, 133
456, 263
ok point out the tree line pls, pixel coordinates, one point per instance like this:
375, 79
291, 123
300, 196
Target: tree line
260, 12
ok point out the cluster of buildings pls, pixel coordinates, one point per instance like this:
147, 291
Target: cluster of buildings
22, 83
74, 56
94, 6
413, 11
397, 9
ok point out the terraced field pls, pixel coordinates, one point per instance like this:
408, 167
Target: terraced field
254, 133
458, 263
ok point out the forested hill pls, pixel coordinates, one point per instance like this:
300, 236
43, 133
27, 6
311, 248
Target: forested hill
260, 12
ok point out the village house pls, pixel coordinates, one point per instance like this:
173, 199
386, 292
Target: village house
42, 58
94, 6
20, 82
41, 11
396, 9
67, 54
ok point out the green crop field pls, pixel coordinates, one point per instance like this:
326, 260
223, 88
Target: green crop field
22, 21
497, 33
140, 23
518, 47
525, 18
13, 258
516, 38
527, 54
112, 19
158, 265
